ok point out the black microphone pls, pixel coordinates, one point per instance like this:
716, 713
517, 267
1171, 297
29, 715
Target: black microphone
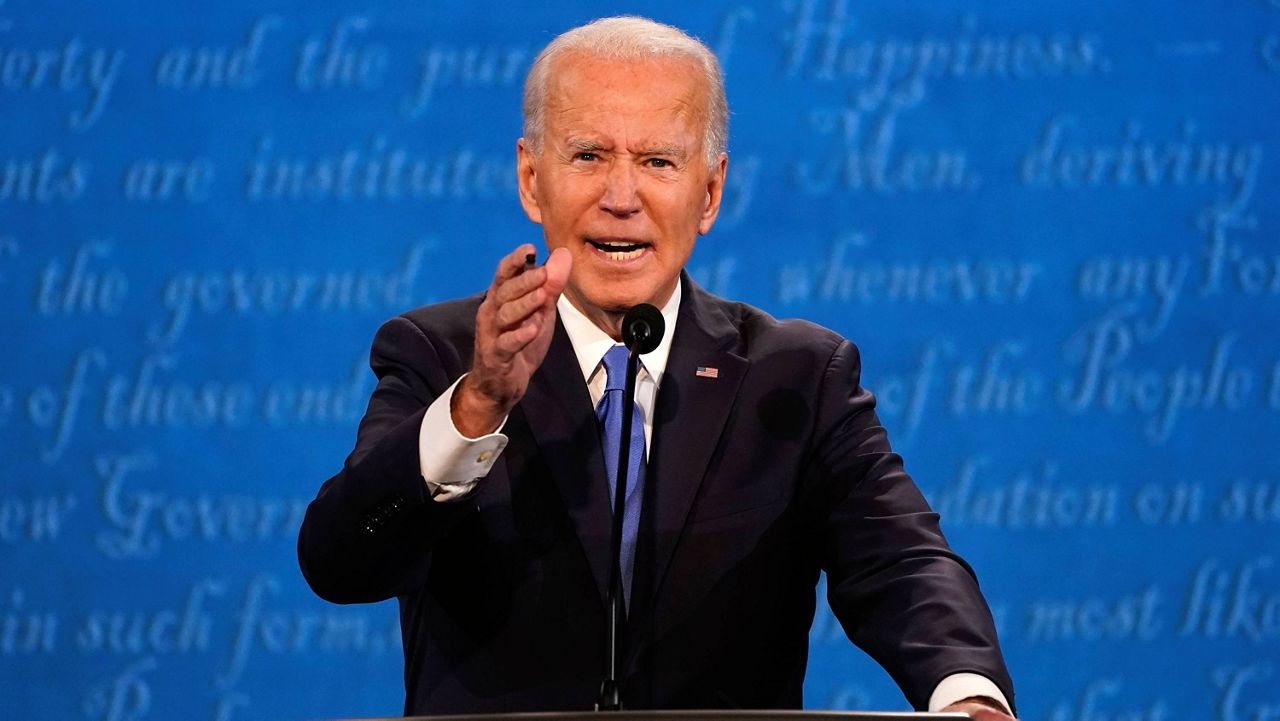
642, 328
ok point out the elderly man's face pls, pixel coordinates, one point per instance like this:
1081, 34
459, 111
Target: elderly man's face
621, 178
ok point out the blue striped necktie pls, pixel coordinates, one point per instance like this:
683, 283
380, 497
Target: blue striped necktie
609, 413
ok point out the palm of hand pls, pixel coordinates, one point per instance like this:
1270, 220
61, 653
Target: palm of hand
979, 710
514, 326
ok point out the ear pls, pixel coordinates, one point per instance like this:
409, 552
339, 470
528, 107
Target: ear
715, 190
527, 180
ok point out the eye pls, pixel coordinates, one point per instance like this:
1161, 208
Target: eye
587, 156
660, 163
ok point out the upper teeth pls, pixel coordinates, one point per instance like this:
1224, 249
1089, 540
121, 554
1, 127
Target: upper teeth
620, 250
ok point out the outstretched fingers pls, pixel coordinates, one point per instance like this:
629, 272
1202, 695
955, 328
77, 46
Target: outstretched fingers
513, 312
511, 342
512, 265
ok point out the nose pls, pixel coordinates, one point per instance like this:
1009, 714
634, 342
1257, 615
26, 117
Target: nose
621, 197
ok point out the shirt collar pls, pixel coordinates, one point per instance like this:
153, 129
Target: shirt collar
590, 343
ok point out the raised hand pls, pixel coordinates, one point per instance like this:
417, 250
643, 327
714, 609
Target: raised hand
980, 708
513, 331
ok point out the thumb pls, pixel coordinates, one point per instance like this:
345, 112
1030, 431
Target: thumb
558, 267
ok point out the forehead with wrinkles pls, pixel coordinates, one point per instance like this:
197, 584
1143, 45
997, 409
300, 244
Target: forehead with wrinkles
590, 95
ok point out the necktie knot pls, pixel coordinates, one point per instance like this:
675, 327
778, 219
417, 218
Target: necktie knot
615, 368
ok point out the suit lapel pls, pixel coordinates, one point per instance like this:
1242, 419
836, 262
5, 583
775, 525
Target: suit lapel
560, 418
689, 418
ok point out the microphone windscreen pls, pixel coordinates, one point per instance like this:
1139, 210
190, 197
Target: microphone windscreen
642, 328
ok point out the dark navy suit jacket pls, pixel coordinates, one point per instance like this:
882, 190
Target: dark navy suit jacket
756, 480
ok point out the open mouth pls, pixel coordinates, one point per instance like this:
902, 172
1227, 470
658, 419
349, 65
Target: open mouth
619, 249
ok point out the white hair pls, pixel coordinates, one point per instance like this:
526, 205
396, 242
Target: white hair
629, 37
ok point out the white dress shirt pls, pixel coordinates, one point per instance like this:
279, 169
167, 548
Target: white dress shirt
452, 464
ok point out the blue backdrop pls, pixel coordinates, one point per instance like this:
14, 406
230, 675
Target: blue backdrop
1052, 228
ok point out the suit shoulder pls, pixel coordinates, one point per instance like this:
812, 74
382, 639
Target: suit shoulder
763, 335
447, 318
449, 327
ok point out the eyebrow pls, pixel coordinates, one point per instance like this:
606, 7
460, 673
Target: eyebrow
582, 145
676, 151
585, 146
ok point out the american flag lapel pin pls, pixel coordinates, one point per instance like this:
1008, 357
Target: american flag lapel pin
707, 372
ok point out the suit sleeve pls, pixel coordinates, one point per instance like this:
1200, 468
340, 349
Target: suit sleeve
369, 533
900, 592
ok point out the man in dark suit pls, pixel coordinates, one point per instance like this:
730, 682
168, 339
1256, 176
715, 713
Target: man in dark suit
477, 493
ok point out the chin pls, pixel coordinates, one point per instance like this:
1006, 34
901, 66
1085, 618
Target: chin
616, 304
616, 297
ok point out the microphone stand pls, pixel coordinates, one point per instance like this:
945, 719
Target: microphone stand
642, 330
610, 696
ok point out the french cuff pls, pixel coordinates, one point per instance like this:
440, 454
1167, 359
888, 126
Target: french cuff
960, 686
452, 463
